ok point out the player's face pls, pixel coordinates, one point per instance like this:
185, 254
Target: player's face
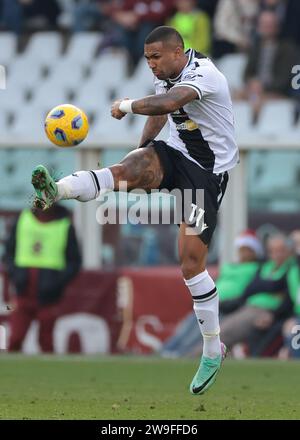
163, 59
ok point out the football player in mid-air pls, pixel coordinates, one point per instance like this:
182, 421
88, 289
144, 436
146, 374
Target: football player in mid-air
193, 95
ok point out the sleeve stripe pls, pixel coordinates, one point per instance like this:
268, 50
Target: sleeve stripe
192, 86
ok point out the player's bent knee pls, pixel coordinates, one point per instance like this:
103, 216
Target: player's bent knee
139, 169
119, 173
192, 266
126, 176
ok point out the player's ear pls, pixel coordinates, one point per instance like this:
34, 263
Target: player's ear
178, 51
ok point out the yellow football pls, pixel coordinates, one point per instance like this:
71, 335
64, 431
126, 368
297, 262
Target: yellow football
66, 125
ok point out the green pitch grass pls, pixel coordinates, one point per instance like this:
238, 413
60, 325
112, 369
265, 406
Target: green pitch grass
118, 388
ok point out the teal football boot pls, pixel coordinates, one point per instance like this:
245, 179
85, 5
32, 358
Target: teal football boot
207, 372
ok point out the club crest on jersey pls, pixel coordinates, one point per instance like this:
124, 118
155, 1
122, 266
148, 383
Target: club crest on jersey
191, 76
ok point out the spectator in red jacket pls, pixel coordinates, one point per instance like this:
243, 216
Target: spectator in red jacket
135, 19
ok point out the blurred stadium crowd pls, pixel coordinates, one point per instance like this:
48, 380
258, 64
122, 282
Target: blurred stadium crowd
87, 52
259, 301
254, 42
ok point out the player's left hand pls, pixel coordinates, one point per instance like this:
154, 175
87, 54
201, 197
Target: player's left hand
115, 111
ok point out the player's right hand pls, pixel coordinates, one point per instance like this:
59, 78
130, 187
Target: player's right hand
115, 111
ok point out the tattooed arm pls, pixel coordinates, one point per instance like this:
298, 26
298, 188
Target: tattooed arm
164, 103
153, 126
158, 104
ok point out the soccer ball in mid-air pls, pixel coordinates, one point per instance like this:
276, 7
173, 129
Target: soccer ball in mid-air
66, 125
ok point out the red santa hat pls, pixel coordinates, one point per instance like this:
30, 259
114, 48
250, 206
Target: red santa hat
249, 239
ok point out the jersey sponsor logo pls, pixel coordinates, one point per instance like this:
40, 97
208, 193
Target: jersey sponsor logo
182, 120
190, 134
187, 125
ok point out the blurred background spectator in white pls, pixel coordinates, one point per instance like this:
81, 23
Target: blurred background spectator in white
268, 71
234, 23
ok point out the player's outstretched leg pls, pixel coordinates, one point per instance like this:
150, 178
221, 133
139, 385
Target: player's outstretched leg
207, 372
140, 169
82, 186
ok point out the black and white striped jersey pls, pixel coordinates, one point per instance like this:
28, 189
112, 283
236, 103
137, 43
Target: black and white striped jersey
203, 129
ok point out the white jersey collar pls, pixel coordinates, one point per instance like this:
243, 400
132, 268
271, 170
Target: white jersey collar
190, 53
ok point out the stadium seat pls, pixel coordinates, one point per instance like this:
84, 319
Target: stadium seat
142, 69
276, 119
133, 89
92, 96
8, 45
110, 69
60, 74
12, 98
143, 74
23, 74
49, 94
3, 122
29, 129
109, 131
82, 47
232, 66
44, 48
243, 120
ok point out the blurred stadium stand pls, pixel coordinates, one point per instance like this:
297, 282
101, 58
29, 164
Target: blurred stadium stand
53, 69
232, 66
53, 66
43, 76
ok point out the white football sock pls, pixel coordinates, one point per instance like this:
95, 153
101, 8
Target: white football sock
85, 185
206, 307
